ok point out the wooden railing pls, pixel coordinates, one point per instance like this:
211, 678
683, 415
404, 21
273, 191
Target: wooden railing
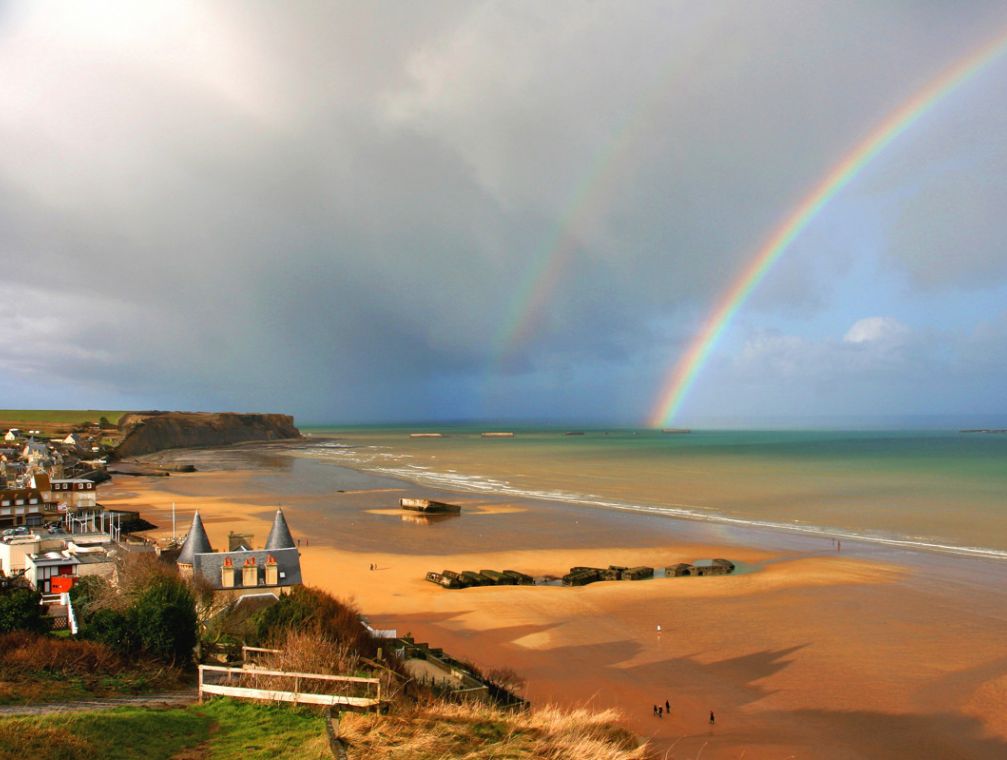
251, 655
244, 684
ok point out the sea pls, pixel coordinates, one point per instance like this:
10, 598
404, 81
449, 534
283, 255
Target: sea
942, 491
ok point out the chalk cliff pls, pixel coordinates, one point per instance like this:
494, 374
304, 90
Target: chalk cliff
147, 432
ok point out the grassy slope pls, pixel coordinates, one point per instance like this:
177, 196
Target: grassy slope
219, 730
229, 730
56, 668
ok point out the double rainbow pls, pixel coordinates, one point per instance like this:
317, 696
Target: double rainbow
684, 372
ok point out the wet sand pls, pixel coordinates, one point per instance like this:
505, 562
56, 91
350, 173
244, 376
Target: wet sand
807, 653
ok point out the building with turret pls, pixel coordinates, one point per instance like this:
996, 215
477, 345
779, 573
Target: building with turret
275, 569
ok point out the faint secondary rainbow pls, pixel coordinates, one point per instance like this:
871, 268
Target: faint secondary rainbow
550, 263
683, 374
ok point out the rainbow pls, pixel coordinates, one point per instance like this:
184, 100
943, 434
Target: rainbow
548, 267
588, 198
684, 372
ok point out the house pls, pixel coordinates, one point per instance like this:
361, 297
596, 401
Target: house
14, 550
21, 506
35, 453
70, 440
53, 570
275, 569
76, 493
12, 435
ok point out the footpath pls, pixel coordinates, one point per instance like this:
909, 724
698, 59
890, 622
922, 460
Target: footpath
165, 699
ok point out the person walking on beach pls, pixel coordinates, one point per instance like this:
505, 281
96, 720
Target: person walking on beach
713, 719
659, 713
667, 707
655, 711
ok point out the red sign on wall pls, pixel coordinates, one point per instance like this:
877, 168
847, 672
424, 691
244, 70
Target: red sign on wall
61, 584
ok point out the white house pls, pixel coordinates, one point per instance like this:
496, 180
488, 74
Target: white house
77, 493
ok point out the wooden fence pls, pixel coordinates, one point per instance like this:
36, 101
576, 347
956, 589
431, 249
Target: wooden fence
246, 684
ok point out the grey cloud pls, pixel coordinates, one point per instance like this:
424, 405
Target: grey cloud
332, 209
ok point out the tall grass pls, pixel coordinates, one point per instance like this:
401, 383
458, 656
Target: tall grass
475, 731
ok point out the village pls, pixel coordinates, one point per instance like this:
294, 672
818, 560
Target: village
55, 535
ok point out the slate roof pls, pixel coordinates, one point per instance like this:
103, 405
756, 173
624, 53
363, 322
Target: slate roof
195, 543
279, 535
288, 562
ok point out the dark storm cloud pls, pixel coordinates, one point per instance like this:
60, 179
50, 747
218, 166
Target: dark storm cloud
331, 209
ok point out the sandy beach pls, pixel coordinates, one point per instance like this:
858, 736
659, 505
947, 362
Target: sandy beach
806, 652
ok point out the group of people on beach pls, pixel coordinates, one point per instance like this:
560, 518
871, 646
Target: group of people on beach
661, 710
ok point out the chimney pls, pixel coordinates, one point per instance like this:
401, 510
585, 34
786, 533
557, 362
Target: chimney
227, 573
272, 571
250, 573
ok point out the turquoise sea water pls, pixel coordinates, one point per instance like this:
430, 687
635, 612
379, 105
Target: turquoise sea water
942, 489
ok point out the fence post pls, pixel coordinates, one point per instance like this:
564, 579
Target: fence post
200, 684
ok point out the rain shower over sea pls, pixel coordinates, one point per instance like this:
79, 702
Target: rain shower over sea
941, 490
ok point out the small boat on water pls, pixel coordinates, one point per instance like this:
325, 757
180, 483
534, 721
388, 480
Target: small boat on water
426, 435
503, 434
428, 506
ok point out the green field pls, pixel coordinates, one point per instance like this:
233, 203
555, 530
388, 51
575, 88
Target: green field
219, 730
58, 416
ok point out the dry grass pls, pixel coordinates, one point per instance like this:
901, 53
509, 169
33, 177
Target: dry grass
24, 653
476, 731
311, 652
39, 668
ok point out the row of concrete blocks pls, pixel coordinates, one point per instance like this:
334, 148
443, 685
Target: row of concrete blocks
467, 578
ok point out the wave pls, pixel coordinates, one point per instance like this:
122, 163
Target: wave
384, 460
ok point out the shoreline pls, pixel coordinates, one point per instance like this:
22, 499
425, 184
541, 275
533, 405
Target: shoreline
744, 532
756, 647
466, 484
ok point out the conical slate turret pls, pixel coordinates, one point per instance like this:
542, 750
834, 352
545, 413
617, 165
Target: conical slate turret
279, 535
197, 542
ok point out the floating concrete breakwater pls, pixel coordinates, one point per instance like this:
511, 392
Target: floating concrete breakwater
579, 575
468, 578
429, 506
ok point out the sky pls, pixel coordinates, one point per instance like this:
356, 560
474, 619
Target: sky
445, 211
